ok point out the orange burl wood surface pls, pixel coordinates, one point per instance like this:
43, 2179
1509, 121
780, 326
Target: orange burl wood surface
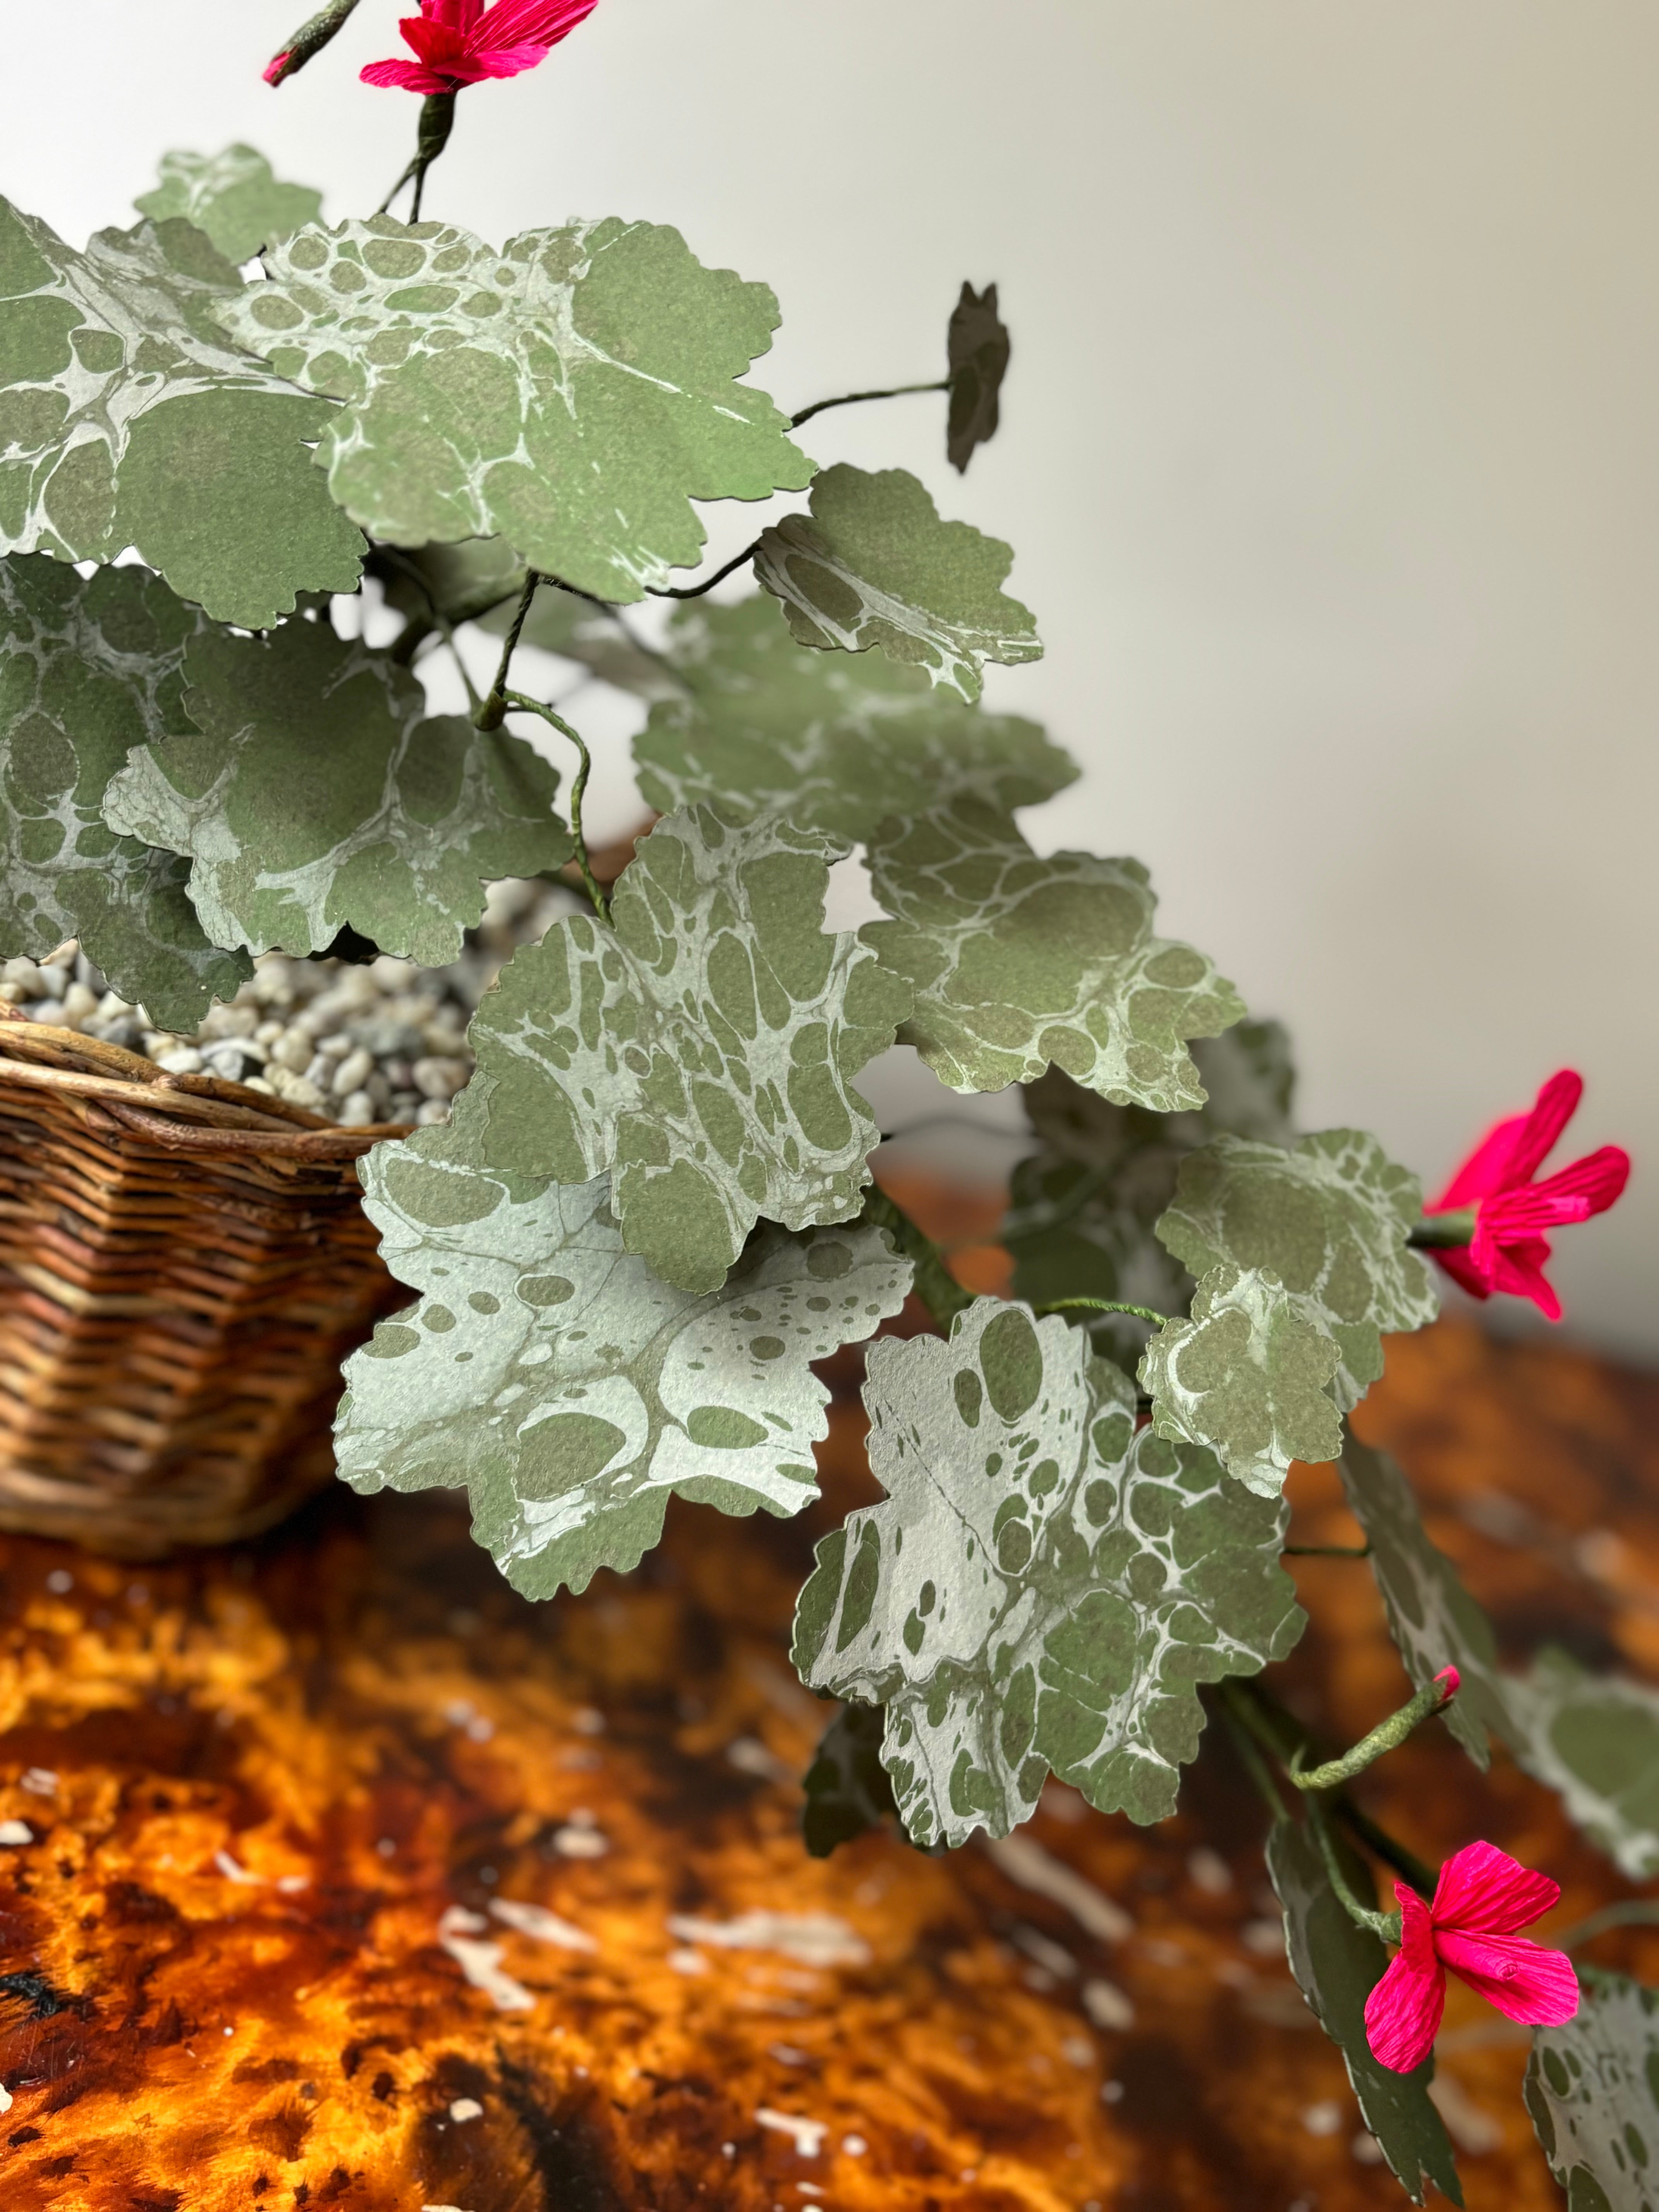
266, 1944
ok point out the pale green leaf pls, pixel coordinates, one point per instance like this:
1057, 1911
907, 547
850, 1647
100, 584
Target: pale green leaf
1082, 1207
233, 196
88, 670
1337, 1964
1250, 1376
573, 394
1330, 1218
1042, 1589
833, 743
875, 565
569, 1388
979, 346
705, 1045
1434, 1621
315, 794
126, 418
1019, 963
846, 1786
1594, 1739
1593, 2091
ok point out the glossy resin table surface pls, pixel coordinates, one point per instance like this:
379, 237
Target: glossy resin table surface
353, 1880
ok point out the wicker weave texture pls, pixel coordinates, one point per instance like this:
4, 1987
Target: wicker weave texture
183, 1264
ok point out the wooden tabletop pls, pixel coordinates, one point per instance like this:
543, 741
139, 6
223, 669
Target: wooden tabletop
354, 1880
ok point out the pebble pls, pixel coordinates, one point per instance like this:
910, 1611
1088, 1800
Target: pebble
382, 1043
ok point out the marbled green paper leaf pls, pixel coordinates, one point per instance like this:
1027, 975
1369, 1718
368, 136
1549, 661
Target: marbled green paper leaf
979, 348
315, 794
569, 1388
848, 1788
1041, 1589
1593, 2091
1330, 1218
1594, 1739
1018, 962
833, 742
1337, 1964
1250, 1376
1431, 1617
126, 418
704, 1047
88, 670
875, 565
573, 394
233, 196
1082, 1207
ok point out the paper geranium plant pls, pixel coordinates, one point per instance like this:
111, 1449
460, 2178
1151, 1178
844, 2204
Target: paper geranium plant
634, 1205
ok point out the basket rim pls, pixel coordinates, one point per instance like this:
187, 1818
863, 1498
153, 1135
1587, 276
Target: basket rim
186, 1113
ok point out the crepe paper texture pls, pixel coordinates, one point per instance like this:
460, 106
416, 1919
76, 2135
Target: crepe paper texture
1042, 1589
90, 672
874, 566
315, 794
571, 1390
704, 1045
127, 418
573, 394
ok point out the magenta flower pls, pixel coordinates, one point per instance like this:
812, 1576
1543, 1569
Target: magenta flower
1511, 1211
461, 42
1483, 1896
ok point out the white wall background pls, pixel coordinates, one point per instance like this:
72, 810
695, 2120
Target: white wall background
1331, 453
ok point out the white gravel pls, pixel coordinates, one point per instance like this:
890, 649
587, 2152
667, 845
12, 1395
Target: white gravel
386, 1041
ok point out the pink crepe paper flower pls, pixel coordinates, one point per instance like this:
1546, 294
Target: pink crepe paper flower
1483, 1896
461, 42
1512, 1212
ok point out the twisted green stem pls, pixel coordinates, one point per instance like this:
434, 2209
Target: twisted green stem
1387, 1735
590, 882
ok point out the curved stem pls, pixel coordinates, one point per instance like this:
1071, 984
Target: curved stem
437, 121
1387, 1735
696, 591
1283, 1736
854, 399
578, 789
1324, 1551
489, 716
1244, 1742
1107, 1306
1383, 1924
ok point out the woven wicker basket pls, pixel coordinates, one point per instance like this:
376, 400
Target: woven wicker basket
183, 1264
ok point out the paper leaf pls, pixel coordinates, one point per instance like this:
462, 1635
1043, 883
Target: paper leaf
126, 418
1329, 1218
315, 794
1042, 1587
1249, 1376
233, 196
573, 394
1082, 1208
979, 348
568, 1388
1337, 1964
846, 1786
875, 565
833, 742
1019, 961
705, 1045
1434, 1621
1592, 2089
88, 670
1594, 1739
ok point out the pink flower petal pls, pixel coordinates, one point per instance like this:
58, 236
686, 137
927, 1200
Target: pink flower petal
1483, 1890
1486, 1168
1465, 1269
458, 15
1521, 1979
1599, 1179
1402, 2014
1556, 1104
408, 74
507, 61
532, 22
